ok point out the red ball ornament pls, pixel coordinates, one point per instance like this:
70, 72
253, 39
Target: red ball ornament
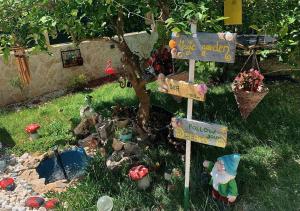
51, 204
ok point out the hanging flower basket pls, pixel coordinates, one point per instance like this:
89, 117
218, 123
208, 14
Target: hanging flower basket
248, 88
248, 100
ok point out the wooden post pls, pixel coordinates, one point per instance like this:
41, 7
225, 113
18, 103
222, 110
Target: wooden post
188, 143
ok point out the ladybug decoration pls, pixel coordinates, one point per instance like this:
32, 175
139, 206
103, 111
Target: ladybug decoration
34, 202
109, 70
7, 184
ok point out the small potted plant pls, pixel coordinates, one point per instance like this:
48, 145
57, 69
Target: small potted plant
249, 90
32, 130
141, 175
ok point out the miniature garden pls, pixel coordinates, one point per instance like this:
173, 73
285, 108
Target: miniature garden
202, 114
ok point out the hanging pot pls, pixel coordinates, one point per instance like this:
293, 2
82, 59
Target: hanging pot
247, 100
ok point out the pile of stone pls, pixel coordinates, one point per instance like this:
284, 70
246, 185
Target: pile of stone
27, 182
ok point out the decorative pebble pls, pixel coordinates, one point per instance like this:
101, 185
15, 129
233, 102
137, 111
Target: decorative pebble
8, 184
34, 202
51, 204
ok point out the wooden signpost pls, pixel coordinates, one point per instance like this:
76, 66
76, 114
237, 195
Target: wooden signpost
201, 132
202, 46
180, 88
217, 47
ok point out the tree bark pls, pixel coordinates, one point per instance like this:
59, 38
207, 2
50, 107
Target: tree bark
131, 66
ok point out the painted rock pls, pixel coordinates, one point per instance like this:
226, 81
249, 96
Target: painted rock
51, 204
8, 184
34, 202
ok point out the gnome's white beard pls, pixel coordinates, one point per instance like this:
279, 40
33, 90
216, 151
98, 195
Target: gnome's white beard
220, 177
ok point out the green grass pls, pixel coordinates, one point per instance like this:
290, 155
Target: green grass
268, 175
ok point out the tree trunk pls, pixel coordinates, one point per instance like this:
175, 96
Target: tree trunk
131, 66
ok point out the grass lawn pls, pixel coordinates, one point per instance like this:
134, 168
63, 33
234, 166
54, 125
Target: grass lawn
269, 142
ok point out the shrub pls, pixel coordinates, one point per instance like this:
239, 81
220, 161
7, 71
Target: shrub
78, 83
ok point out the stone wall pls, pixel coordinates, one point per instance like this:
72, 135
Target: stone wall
48, 74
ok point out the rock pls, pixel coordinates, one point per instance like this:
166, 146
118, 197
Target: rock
116, 160
58, 186
29, 175
132, 148
117, 145
105, 129
19, 169
24, 156
2, 165
8, 207
91, 141
32, 163
87, 112
83, 129
12, 161
38, 185
102, 152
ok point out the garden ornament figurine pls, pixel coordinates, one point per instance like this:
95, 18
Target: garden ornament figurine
223, 173
87, 110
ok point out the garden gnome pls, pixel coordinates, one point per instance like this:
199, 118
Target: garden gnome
223, 174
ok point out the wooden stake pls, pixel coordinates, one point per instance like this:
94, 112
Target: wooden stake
188, 143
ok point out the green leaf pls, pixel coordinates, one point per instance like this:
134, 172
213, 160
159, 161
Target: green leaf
188, 12
6, 53
74, 12
44, 19
284, 30
176, 29
221, 18
90, 2
255, 28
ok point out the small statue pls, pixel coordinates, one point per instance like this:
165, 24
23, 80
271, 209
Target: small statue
223, 173
87, 110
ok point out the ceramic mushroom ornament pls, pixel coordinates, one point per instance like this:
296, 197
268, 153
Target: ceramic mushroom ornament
141, 175
32, 130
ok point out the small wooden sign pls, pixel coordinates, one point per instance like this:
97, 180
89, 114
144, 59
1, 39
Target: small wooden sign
201, 132
181, 88
233, 10
202, 46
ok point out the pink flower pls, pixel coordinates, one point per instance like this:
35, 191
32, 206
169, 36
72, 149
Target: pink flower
202, 89
251, 80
